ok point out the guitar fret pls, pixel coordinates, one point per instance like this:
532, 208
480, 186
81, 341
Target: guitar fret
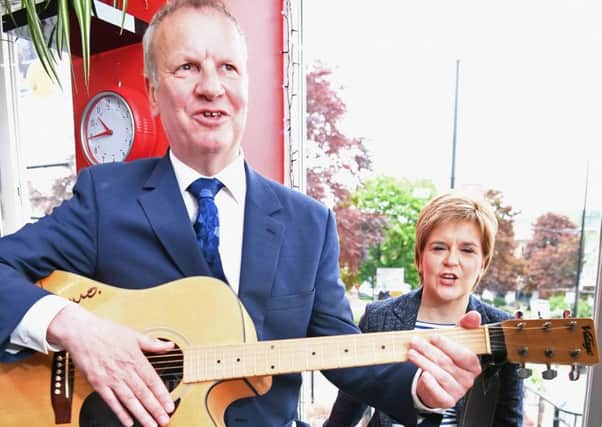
329, 352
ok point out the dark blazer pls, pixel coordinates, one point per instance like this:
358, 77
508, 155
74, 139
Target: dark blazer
479, 408
127, 226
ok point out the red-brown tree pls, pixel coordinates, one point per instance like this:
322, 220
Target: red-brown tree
505, 268
551, 255
335, 164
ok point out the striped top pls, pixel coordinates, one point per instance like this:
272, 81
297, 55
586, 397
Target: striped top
449, 416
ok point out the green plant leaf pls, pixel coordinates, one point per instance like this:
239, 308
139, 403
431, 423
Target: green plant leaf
37, 36
123, 13
83, 13
84, 9
63, 30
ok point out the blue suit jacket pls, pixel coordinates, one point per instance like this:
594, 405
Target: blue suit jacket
127, 226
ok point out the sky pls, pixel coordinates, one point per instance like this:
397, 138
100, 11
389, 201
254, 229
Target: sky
530, 92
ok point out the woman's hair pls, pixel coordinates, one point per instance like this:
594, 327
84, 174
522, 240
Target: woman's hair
453, 207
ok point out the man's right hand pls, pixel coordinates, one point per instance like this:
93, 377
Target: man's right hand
111, 358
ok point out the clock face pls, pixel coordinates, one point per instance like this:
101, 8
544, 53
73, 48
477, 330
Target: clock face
107, 128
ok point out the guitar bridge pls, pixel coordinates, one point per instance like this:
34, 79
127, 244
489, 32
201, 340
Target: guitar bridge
61, 387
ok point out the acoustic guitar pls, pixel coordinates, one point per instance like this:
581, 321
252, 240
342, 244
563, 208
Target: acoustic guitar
213, 366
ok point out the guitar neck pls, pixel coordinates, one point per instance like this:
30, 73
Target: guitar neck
208, 363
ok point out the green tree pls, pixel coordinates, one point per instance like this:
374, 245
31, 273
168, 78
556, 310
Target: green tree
400, 202
505, 268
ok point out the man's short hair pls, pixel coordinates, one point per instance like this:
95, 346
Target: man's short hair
168, 9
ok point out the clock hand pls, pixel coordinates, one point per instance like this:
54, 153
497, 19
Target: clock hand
104, 125
105, 132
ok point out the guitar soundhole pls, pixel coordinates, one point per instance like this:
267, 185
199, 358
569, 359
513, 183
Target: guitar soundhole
169, 366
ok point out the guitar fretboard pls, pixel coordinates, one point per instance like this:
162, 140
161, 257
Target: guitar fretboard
207, 363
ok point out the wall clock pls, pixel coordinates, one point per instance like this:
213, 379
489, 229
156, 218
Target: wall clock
117, 125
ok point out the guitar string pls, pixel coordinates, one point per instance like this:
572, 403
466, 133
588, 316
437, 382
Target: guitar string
494, 332
175, 359
175, 367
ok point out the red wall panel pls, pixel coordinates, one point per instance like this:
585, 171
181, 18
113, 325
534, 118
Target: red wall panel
261, 21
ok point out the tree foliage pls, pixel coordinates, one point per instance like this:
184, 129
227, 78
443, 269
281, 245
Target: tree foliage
400, 202
505, 268
551, 255
358, 231
62, 189
335, 164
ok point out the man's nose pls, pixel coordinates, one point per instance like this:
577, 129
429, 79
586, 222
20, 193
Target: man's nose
209, 84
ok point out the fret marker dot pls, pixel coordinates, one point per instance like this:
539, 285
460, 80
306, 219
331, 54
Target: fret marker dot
238, 359
346, 350
272, 367
382, 347
219, 361
313, 353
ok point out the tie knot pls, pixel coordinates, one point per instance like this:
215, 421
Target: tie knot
205, 187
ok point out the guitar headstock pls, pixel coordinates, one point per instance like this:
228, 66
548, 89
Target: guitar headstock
570, 341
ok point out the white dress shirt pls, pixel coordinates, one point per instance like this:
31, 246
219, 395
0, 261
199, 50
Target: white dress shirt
230, 202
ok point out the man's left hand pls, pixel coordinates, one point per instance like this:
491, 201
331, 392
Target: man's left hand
449, 369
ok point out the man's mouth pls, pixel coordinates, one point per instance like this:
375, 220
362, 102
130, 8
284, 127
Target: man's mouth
212, 113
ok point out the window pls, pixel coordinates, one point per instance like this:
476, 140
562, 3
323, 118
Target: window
38, 160
482, 96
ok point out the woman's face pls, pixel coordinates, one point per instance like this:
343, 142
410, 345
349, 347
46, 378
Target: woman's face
451, 262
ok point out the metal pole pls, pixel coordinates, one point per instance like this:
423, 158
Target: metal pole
453, 165
580, 253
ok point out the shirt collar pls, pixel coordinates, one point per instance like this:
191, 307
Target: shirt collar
232, 176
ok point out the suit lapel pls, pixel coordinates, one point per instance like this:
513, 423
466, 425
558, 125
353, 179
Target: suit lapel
166, 213
406, 311
263, 235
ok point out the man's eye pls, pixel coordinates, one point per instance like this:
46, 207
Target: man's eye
438, 248
468, 250
185, 67
229, 67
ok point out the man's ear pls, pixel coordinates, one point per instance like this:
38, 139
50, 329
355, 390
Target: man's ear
151, 92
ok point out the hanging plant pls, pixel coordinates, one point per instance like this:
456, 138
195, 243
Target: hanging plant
60, 35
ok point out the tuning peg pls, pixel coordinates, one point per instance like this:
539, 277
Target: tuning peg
566, 314
549, 374
523, 372
518, 314
574, 373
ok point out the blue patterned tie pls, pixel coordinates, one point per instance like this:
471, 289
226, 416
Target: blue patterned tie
206, 225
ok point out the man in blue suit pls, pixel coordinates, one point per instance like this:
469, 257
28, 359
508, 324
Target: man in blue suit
131, 225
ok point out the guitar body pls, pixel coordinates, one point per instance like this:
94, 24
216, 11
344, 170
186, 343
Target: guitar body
216, 346
190, 312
